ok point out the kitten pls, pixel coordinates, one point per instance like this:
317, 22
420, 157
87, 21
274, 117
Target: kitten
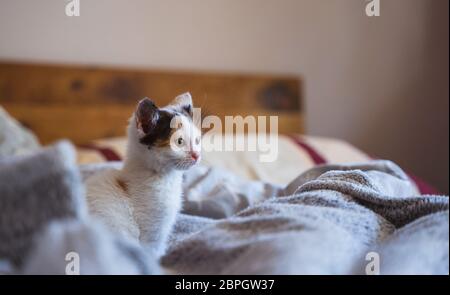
141, 200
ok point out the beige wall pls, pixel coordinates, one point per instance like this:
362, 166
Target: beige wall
380, 83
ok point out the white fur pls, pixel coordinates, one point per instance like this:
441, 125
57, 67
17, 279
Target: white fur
147, 210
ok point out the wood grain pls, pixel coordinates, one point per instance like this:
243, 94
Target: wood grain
83, 103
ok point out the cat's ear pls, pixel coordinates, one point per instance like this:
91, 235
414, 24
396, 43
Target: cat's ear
146, 115
183, 102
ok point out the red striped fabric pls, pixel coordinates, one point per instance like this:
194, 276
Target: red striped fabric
315, 156
423, 187
107, 153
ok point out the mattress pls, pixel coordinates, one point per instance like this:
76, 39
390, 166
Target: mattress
296, 154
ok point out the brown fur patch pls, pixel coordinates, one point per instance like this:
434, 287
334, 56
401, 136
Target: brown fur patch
122, 184
165, 142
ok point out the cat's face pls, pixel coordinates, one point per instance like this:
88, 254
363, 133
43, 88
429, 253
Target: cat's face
170, 132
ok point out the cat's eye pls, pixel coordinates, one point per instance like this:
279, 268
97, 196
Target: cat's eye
197, 140
180, 141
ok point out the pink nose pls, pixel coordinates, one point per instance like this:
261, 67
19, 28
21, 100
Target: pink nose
195, 156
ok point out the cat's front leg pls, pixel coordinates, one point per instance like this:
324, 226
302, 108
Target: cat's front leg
156, 218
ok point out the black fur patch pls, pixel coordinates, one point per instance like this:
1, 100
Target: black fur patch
187, 109
161, 131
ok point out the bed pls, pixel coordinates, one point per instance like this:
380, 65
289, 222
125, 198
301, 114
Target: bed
320, 208
90, 105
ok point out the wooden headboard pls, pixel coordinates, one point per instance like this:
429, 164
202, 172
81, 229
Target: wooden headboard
83, 103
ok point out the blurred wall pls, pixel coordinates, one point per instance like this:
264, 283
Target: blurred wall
380, 83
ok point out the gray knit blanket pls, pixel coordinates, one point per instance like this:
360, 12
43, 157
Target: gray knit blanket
363, 218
